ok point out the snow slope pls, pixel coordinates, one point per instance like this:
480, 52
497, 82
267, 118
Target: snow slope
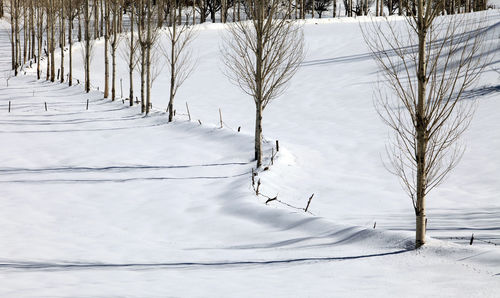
105, 202
327, 122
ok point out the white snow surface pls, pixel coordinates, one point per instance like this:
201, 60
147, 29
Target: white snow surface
108, 203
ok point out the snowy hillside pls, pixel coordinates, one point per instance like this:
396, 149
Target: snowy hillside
107, 203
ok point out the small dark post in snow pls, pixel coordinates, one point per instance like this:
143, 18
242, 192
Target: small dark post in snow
45, 106
309, 202
9, 106
121, 88
239, 128
199, 121
97, 88
220, 115
471, 239
189, 114
87, 104
58, 73
277, 146
374, 225
78, 81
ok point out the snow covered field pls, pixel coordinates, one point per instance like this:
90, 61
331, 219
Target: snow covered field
107, 203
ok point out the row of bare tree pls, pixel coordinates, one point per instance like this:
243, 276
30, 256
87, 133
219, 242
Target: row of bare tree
40, 27
427, 64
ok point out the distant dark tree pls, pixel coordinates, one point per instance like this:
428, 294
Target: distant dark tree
320, 6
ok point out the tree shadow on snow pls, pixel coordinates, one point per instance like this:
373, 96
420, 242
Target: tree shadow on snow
38, 266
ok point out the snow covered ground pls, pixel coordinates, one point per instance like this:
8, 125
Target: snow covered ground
107, 203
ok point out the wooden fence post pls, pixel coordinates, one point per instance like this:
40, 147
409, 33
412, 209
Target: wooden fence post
187, 108
220, 115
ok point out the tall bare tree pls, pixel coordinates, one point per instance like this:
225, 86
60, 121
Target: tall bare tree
87, 48
71, 15
427, 66
39, 34
262, 55
131, 50
62, 36
114, 41
148, 33
107, 32
178, 56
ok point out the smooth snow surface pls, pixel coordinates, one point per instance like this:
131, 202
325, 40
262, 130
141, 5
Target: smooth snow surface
108, 203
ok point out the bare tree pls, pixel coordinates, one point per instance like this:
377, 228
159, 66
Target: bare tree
88, 44
179, 57
262, 55
62, 37
39, 35
114, 41
72, 13
15, 19
107, 32
427, 65
130, 52
148, 33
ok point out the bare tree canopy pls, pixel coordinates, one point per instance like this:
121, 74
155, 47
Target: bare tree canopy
262, 55
178, 54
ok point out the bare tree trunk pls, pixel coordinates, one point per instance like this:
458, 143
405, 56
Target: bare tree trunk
143, 79
40, 40
25, 34
70, 42
79, 14
106, 43
194, 12
96, 18
114, 45
148, 58
16, 37
258, 82
421, 127
223, 10
87, 46
131, 58
62, 38
32, 29
13, 36
172, 70
47, 30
